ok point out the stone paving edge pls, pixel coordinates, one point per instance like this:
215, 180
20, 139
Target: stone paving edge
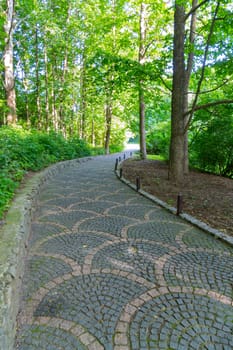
218, 234
14, 234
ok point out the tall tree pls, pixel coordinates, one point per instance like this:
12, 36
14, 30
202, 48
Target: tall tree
184, 52
141, 59
9, 84
110, 83
177, 121
83, 66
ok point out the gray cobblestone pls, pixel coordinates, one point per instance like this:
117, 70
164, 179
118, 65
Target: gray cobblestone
67, 219
156, 315
74, 246
93, 301
109, 224
110, 270
156, 231
201, 269
41, 270
41, 337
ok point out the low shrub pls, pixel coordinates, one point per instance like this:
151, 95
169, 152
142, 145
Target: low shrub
23, 151
211, 149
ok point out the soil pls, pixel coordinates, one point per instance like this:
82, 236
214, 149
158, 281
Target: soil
207, 197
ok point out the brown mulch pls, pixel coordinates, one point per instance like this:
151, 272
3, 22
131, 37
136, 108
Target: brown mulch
207, 197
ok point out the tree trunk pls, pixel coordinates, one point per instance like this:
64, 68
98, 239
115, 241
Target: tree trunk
108, 118
62, 94
38, 103
181, 81
8, 64
63, 126
46, 90
142, 123
176, 169
93, 132
188, 72
56, 119
83, 97
141, 59
110, 88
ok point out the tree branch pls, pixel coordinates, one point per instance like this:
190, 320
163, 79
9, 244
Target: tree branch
147, 47
209, 104
165, 84
214, 89
194, 9
203, 66
211, 90
10, 12
191, 42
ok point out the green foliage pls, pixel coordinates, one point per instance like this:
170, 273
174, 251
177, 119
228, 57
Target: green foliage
73, 57
212, 146
158, 139
158, 126
117, 139
97, 151
116, 148
7, 188
22, 151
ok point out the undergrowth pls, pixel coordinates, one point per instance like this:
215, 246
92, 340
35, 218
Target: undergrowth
23, 151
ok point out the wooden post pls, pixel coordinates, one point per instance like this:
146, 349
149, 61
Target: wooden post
179, 204
116, 164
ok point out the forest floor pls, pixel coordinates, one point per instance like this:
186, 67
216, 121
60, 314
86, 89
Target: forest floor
207, 197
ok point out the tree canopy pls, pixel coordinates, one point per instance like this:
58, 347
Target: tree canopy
96, 69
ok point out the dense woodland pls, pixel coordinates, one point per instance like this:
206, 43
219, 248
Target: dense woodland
99, 70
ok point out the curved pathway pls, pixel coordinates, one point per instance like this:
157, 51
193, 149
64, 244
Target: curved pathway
108, 269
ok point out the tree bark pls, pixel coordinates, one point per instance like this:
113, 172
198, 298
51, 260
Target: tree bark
38, 102
83, 95
110, 87
187, 81
141, 59
176, 169
93, 132
108, 118
46, 89
63, 124
181, 116
142, 123
56, 119
9, 64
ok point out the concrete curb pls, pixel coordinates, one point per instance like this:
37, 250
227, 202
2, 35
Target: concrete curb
14, 235
218, 234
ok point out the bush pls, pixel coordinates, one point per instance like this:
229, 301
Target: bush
7, 188
31, 150
97, 151
212, 148
158, 140
116, 148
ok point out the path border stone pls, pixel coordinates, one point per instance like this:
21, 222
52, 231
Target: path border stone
14, 234
218, 234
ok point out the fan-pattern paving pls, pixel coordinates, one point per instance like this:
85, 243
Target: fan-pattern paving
109, 269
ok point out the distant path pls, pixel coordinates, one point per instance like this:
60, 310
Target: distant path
108, 269
132, 147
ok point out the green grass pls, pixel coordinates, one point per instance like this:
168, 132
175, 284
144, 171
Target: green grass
156, 157
136, 156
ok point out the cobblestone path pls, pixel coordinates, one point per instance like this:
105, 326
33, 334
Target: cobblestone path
108, 269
